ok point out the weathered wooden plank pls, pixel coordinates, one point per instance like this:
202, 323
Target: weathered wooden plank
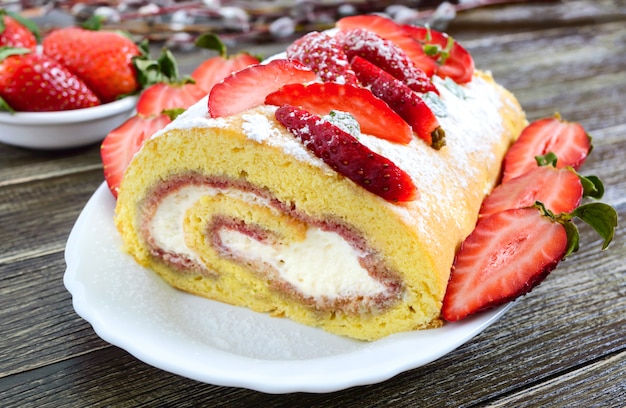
602, 384
37, 321
23, 165
37, 216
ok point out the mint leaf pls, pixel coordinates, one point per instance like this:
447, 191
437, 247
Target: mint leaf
456, 89
435, 104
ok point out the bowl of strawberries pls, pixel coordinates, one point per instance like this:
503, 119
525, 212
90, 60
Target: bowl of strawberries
66, 90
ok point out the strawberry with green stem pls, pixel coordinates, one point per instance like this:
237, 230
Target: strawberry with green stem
510, 252
402, 99
567, 140
346, 155
451, 59
560, 190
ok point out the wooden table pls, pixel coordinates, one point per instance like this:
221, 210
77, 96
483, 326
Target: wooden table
562, 345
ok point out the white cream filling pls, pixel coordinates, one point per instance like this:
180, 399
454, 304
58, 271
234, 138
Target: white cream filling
166, 225
323, 264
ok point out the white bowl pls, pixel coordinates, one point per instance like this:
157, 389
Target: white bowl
64, 129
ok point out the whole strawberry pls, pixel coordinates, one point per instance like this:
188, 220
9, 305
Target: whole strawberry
14, 33
36, 83
102, 59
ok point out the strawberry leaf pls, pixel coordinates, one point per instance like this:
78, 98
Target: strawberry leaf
162, 70
601, 217
212, 42
5, 107
573, 238
548, 159
592, 186
93, 23
6, 52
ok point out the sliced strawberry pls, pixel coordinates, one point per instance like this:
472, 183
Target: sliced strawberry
453, 61
375, 117
567, 140
215, 69
401, 99
512, 251
166, 96
507, 254
121, 144
386, 55
560, 190
248, 88
344, 153
392, 31
324, 56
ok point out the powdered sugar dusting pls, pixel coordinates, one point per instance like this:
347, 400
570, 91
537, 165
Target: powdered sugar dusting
196, 116
258, 127
472, 125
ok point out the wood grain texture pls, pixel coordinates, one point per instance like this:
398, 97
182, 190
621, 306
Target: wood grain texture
562, 345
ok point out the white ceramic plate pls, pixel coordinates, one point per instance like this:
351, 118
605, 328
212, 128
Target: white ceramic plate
64, 129
132, 308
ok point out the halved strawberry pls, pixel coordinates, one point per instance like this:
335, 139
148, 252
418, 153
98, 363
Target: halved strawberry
386, 55
344, 153
375, 117
166, 96
453, 61
392, 31
560, 190
322, 53
121, 144
507, 254
512, 251
215, 69
248, 88
408, 104
567, 140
